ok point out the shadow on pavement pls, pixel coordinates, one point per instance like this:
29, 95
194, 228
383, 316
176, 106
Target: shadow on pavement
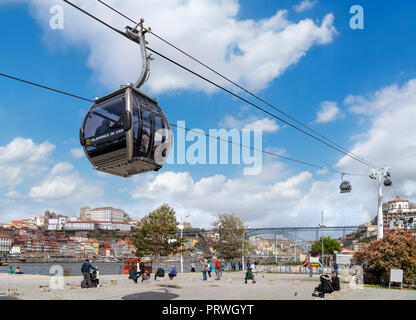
8, 298
151, 295
169, 286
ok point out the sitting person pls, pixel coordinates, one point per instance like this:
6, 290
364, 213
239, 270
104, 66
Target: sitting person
172, 273
10, 270
95, 281
133, 275
160, 273
249, 276
18, 271
335, 281
324, 287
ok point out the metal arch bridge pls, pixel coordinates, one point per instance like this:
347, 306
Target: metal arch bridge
290, 233
293, 230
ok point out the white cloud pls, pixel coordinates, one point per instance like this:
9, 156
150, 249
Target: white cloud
23, 159
77, 153
65, 185
328, 112
250, 123
251, 52
13, 194
305, 5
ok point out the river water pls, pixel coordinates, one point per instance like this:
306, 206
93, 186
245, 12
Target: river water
106, 268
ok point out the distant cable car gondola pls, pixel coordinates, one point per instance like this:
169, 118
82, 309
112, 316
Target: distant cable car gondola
125, 132
387, 180
345, 186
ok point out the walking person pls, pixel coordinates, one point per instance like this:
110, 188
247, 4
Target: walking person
133, 275
85, 269
192, 267
310, 270
240, 266
204, 270
217, 269
209, 268
141, 270
335, 267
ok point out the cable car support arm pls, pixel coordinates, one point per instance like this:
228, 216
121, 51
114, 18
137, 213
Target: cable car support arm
138, 35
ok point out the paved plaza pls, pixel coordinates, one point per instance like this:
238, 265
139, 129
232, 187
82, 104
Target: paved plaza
189, 286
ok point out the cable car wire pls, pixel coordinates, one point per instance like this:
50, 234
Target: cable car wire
239, 86
45, 87
195, 131
222, 88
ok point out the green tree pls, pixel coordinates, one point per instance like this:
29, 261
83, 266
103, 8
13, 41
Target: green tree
230, 230
158, 235
396, 250
330, 245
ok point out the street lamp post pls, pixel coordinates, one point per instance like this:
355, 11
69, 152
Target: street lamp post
181, 227
322, 235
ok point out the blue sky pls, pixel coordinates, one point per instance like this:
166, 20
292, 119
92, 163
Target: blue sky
350, 62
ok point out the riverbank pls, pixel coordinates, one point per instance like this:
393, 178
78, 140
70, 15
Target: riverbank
187, 286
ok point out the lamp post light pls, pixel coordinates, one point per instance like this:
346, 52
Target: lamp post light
181, 227
322, 226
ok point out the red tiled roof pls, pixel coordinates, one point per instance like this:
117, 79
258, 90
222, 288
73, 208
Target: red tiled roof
397, 199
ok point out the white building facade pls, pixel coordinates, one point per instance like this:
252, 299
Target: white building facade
5, 244
108, 214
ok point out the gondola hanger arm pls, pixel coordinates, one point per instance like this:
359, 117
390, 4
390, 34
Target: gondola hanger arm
137, 34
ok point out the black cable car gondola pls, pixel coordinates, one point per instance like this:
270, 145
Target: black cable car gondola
387, 180
345, 186
126, 133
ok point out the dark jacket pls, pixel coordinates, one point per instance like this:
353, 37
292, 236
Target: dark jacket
86, 267
160, 272
325, 286
133, 274
249, 275
335, 283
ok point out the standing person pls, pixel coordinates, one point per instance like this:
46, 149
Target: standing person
248, 264
142, 270
240, 266
192, 267
85, 269
204, 270
217, 269
209, 268
249, 276
310, 270
133, 275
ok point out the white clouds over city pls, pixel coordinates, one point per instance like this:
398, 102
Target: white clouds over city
252, 52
